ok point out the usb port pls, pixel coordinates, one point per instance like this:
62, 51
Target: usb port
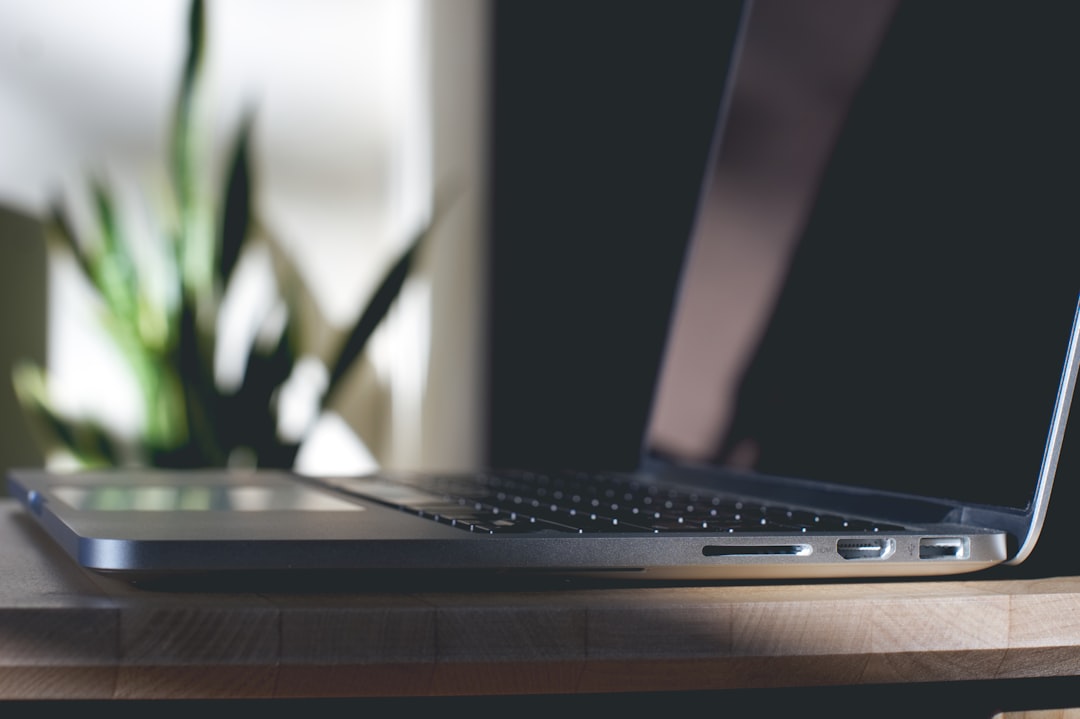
943, 548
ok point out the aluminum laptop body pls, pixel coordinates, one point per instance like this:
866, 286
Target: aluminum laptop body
159, 523
940, 362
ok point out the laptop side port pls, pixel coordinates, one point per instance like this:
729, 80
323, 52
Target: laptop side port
757, 550
944, 548
868, 548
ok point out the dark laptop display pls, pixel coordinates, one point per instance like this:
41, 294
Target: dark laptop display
916, 341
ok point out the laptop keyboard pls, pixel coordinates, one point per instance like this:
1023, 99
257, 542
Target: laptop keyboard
505, 503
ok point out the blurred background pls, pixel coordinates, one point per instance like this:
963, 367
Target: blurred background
361, 110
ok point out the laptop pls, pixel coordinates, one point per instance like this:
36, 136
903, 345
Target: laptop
938, 461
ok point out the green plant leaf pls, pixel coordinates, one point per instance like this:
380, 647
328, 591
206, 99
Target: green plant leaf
196, 33
381, 301
113, 268
236, 217
85, 440
252, 410
188, 80
60, 229
106, 216
194, 363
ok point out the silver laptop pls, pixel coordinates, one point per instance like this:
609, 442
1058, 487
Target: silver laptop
938, 459
667, 521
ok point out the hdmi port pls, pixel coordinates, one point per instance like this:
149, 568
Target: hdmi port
871, 548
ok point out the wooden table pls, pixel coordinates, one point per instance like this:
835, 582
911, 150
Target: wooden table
65, 633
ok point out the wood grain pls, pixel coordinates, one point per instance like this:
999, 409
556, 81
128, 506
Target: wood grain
65, 633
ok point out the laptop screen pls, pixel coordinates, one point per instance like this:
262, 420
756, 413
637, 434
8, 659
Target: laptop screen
900, 319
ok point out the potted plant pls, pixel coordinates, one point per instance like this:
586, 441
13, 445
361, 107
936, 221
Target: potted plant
168, 334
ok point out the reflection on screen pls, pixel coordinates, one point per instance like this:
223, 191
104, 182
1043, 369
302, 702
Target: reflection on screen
199, 498
910, 334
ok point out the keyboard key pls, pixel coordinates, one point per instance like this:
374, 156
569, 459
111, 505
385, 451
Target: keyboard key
516, 502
